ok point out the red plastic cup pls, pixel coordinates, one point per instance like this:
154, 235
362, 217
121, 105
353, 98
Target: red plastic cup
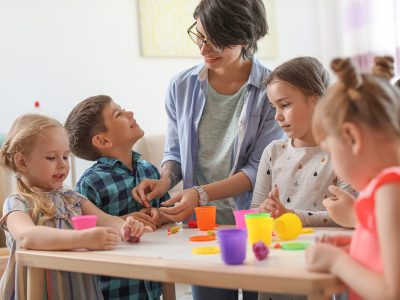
84, 222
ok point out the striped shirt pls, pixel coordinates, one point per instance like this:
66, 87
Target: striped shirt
108, 184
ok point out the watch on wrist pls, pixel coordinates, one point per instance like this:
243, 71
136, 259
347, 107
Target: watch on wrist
203, 197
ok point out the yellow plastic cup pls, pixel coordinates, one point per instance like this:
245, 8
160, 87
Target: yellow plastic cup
259, 228
288, 226
206, 217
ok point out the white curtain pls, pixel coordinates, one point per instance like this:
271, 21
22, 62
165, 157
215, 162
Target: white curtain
370, 28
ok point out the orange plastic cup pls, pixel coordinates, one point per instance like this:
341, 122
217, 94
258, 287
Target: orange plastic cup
206, 217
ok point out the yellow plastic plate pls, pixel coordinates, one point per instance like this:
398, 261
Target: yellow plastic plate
206, 250
307, 230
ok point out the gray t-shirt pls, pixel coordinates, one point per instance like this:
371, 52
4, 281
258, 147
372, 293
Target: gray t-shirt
218, 129
303, 175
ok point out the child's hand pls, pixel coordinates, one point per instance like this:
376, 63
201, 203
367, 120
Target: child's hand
132, 230
150, 189
322, 257
342, 241
154, 215
145, 217
100, 238
273, 204
340, 207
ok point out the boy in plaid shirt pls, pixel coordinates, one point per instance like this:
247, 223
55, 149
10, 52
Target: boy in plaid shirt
100, 130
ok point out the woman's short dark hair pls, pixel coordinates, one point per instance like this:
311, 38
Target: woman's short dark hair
233, 22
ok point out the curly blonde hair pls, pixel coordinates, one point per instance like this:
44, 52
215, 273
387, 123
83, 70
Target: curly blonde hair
360, 98
21, 139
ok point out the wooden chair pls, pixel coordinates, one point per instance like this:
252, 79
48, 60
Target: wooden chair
4, 253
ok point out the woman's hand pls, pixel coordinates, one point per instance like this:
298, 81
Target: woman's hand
340, 207
100, 238
185, 202
150, 189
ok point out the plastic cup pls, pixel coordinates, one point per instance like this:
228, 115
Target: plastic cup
239, 217
288, 226
206, 217
233, 245
84, 222
259, 228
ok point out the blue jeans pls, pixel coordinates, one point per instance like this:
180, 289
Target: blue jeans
208, 293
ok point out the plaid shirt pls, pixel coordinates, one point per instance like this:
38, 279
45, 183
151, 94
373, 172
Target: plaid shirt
108, 184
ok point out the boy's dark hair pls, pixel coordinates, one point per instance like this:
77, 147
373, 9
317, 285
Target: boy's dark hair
85, 121
305, 73
233, 22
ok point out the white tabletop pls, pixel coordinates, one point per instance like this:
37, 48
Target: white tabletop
169, 258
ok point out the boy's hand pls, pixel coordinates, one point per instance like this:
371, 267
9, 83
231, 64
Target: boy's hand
150, 189
143, 216
154, 215
132, 230
340, 207
186, 201
273, 204
100, 238
322, 257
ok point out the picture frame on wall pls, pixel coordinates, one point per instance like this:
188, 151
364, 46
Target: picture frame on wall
163, 25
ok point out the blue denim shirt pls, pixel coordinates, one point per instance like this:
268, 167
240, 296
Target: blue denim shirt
184, 104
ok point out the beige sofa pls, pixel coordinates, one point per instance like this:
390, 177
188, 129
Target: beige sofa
5, 190
152, 149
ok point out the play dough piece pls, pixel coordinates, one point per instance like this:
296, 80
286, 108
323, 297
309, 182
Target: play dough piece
202, 238
206, 250
295, 246
260, 250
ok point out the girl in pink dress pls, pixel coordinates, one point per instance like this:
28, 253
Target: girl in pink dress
358, 124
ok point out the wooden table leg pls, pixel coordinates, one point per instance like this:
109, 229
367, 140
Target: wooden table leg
35, 283
168, 291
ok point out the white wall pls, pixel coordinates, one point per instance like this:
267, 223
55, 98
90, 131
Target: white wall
62, 51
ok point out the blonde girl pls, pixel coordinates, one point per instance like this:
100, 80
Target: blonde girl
38, 215
358, 124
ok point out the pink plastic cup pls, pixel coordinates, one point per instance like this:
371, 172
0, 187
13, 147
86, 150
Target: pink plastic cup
84, 222
239, 217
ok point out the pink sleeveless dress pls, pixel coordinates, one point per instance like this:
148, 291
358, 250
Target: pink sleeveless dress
364, 247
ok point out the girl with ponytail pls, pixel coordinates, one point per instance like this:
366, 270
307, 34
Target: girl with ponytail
358, 123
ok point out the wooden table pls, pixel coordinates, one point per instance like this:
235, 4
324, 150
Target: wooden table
169, 259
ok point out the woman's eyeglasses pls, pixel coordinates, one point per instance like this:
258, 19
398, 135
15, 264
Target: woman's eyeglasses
200, 41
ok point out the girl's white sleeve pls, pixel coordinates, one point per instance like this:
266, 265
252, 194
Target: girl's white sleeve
263, 181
